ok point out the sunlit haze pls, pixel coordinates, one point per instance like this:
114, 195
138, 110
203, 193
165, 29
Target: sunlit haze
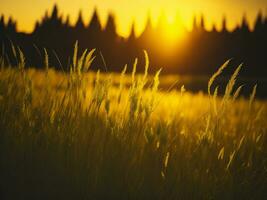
28, 11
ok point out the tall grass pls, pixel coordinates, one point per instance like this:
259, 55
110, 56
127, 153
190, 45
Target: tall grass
79, 136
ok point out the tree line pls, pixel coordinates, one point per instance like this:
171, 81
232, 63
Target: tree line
201, 52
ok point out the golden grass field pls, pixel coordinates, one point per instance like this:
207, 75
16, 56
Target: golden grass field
81, 135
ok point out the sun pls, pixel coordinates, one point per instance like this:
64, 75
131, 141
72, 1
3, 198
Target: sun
171, 33
174, 30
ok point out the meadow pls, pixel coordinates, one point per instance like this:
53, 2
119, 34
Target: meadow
85, 135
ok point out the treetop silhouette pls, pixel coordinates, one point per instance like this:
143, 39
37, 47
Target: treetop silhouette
200, 55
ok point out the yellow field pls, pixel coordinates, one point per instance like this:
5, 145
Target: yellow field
97, 136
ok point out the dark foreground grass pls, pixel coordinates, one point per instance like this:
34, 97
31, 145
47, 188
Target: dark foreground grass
91, 140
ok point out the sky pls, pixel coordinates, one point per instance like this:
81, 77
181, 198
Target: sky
26, 12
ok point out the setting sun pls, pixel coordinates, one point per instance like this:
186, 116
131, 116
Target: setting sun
173, 29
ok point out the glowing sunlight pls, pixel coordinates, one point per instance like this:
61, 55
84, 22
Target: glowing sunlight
174, 30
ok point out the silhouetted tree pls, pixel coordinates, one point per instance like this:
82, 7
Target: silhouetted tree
132, 36
79, 23
214, 28
224, 24
2, 23
244, 24
11, 25
94, 23
202, 23
110, 28
37, 26
67, 21
195, 24
54, 15
45, 18
259, 23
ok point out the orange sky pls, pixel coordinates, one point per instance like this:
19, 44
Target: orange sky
27, 11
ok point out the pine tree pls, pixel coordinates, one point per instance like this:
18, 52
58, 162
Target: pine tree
94, 24
54, 15
2, 23
79, 23
110, 28
244, 25
195, 25
11, 25
202, 23
132, 36
67, 21
259, 23
36, 26
224, 24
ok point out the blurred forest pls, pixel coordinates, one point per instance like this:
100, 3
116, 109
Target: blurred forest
200, 54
